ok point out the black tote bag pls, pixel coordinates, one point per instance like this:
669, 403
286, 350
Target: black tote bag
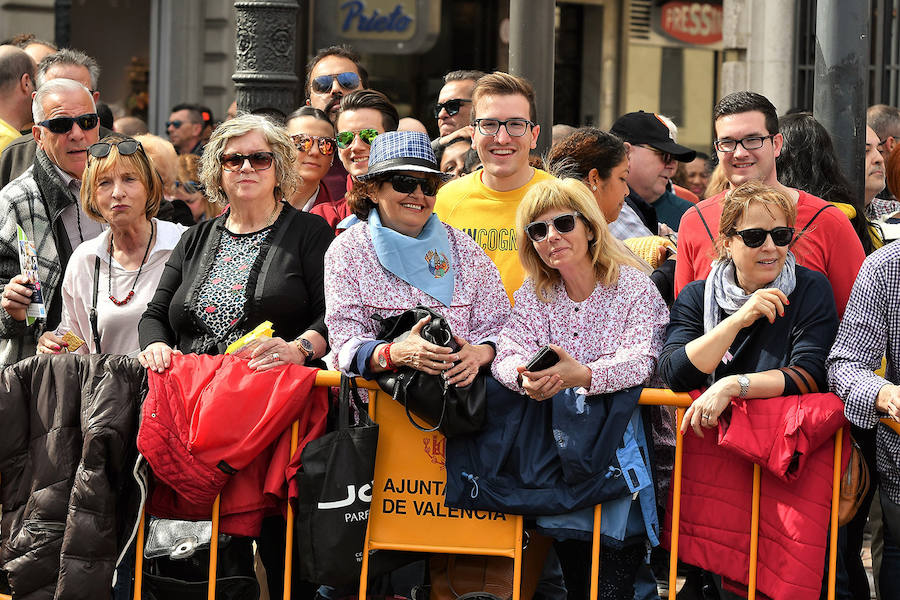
335, 492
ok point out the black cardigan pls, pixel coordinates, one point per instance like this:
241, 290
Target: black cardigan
802, 337
286, 283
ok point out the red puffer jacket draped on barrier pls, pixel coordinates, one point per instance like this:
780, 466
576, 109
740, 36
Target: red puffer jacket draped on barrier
211, 425
788, 436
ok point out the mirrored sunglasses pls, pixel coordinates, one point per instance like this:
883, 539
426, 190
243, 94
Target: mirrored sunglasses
347, 80
407, 184
345, 138
125, 148
304, 142
451, 106
64, 124
539, 230
259, 161
756, 237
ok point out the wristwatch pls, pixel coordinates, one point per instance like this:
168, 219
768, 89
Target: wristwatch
384, 357
306, 349
744, 382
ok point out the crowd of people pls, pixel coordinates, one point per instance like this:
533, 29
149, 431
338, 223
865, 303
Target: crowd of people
752, 277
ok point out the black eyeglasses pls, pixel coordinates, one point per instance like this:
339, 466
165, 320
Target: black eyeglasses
451, 106
539, 230
322, 83
665, 156
345, 138
190, 187
756, 237
754, 142
514, 127
64, 124
176, 124
304, 142
125, 148
407, 184
259, 161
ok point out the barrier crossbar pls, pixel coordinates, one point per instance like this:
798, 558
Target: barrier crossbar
650, 397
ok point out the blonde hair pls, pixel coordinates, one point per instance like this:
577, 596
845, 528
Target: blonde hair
738, 200
163, 158
572, 195
499, 83
717, 182
189, 170
277, 138
139, 162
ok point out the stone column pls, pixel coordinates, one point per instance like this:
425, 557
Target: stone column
265, 77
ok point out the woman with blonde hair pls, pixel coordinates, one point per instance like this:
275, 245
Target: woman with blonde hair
587, 301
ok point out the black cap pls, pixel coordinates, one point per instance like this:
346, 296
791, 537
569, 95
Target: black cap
647, 128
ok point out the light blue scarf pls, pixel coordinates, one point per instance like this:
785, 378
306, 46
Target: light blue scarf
423, 262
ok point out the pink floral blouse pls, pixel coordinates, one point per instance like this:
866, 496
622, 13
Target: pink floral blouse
357, 286
617, 332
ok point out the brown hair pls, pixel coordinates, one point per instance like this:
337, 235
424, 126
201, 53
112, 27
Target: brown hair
567, 194
499, 83
738, 200
138, 161
892, 170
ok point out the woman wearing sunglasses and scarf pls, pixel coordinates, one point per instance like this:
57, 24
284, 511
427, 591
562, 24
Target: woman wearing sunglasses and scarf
401, 256
759, 327
110, 278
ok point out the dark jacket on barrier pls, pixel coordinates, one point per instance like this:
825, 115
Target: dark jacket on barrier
531, 460
66, 455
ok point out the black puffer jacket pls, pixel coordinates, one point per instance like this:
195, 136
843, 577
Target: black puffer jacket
67, 447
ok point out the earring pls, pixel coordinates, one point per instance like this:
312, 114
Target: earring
593, 188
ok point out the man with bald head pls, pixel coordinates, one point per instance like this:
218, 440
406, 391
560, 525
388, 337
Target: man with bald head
65, 64
16, 85
43, 201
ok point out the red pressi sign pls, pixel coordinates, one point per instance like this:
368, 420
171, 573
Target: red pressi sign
692, 22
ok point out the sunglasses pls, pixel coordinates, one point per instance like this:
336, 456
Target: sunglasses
322, 83
754, 238
175, 124
539, 230
345, 138
125, 148
407, 184
304, 142
190, 187
451, 106
259, 161
665, 156
64, 124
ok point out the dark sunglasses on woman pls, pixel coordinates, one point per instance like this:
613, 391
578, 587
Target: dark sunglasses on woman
259, 161
538, 231
345, 138
322, 83
64, 124
304, 142
407, 184
451, 106
125, 148
756, 237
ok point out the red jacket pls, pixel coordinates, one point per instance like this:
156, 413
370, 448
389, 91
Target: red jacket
830, 246
789, 437
333, 211
211, 425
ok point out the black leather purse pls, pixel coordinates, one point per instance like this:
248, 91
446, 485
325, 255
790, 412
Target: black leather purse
450, 409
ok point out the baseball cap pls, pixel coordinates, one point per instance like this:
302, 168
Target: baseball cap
647, 128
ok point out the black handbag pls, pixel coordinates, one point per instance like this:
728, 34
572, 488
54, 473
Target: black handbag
335, 492
452, 410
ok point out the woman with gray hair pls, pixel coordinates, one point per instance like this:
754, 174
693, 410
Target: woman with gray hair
260, 260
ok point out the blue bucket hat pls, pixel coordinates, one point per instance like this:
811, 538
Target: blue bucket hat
402, 151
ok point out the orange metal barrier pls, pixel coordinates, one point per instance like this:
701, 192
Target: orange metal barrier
655, 397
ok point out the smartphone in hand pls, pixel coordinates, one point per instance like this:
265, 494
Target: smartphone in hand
544, 358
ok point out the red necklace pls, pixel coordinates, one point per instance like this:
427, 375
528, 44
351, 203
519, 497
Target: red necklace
109, 281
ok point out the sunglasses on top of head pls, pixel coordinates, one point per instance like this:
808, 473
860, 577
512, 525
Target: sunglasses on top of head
407, 184
190, 187
451, 106
345, 138
64, 124
125, 148
756, 237
322, 83
259, 161
538, 231
304, 142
